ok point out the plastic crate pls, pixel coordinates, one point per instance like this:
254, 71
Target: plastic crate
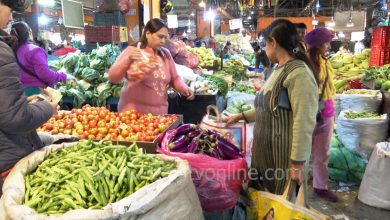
109, 19
381, 37
379, 56
108, 34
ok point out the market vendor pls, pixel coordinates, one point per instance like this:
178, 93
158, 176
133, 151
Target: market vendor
282, 134
32, 62
147, 92
18, 118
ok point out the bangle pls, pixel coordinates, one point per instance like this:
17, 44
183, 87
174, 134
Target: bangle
243, 115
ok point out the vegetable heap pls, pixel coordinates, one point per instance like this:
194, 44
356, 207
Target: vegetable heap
91, 175
347, 66
99, 123
91, 72
238, 106
188, 138
355, 115
235, 68
380, 75
361, 92
243, 87
205, 55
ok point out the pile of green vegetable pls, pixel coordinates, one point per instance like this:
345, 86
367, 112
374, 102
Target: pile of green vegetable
218, 83
91, 175
205, 55
243, 87
346, 65
380, 75
355, 115
91, 72
235, 68
361, 92
238, 106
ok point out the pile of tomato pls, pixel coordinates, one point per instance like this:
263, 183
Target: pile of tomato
99, 123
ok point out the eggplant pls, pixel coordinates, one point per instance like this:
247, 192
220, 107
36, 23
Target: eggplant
220, 153
179, 143
229, 150
215, 154
193, 145
185, 129
194, 133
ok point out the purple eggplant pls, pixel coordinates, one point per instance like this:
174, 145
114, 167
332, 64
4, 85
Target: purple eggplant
229, 150
215, 154
180, 142
194, 133
220, 153
213, 133
193, 145
185, 129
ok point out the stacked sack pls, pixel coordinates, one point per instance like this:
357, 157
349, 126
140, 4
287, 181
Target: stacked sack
359, 126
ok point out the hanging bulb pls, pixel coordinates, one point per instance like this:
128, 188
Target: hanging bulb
350, 23
331, 23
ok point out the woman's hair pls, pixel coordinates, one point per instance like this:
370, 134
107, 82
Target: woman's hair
228, 43
16, 5
314, 54
154, 25
287, 37
21, 31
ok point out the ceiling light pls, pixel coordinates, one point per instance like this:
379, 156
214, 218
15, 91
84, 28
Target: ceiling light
350, 23
341, 35
43, 19
331, 23
210, 15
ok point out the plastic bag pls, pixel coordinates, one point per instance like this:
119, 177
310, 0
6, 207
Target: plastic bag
138, 69
187, 59
217, 182
374, 189
175, 47
247, 98
185, 73
344, 165
172, 197
362, 134
361, 102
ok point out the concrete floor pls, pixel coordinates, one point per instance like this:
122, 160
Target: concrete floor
348, 207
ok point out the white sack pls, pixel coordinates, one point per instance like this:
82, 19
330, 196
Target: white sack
361, 103
185, 73
172, 197
337, 106
374, 189
362, 134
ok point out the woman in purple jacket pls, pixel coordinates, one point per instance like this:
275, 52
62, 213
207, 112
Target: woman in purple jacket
32, 62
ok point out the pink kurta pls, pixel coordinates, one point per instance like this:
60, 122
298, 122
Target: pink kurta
148, 95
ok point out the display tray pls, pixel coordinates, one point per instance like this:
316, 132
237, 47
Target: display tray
149, 147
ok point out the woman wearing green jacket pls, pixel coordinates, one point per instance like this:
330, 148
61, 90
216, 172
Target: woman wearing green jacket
283, 129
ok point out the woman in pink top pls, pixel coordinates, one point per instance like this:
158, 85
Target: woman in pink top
148, 93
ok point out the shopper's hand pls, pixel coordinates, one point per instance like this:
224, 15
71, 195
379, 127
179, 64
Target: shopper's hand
32, 98
232, 119
297, 172
189, 94
70, 78
135, 54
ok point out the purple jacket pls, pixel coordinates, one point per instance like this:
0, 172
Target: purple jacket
34, 58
